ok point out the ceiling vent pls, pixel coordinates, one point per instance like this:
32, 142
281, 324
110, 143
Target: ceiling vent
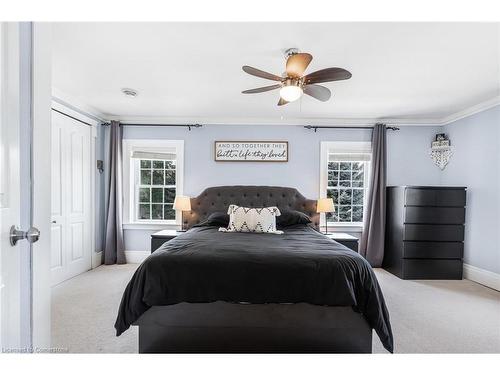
129, 93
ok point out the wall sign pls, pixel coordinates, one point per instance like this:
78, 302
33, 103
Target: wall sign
256, 151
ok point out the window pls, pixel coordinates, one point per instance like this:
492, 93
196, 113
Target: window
345, 171
154, 171
156, 188
346, 185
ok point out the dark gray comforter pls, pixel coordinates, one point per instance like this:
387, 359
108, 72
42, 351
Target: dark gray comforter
301, 265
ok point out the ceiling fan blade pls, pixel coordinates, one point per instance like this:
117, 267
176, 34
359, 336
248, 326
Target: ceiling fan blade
260, 73
318, 92
297, 64
282, 102
327, 75
262, 89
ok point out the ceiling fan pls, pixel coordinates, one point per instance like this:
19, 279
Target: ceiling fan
293, 83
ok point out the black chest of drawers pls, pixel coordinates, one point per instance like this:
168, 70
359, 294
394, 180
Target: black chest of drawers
425, 232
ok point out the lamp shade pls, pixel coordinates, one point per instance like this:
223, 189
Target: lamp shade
325, 205
182, 203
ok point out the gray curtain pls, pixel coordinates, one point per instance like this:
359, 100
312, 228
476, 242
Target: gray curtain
114, 251
372, 239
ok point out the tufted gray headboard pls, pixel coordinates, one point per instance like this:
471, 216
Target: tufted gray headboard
218, 199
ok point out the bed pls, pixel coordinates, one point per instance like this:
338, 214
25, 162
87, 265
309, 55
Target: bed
212, 292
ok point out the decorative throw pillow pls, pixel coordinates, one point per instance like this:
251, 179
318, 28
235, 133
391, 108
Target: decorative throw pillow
256, 220
292, 217
216, 219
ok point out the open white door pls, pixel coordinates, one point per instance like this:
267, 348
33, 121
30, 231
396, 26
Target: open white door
10, 257
25, 67
41, 165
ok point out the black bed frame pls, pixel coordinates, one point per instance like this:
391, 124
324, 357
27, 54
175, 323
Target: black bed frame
223, 327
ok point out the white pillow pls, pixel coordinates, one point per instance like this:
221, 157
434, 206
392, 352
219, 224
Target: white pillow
256, 220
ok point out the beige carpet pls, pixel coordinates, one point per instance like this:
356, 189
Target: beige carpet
426, 316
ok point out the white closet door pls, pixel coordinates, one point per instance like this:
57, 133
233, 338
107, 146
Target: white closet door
58, 235
71, 182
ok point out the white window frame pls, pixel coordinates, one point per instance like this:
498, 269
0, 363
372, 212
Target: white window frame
341, 147
129, 191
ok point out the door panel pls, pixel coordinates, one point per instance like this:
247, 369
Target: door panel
77, 242
56, 256
77, 171
73, 162
56, 177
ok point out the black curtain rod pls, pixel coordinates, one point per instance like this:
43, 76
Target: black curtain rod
72, 117
189, 126
345, 127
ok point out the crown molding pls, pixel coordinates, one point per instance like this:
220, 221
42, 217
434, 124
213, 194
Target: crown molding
480, 107
269, 121
76, 105
415, 121
77, 114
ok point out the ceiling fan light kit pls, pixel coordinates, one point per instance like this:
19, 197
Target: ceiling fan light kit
291, 90
294, 83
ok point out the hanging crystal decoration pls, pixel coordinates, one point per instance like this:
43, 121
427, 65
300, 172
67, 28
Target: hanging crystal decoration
441, 151
441, 156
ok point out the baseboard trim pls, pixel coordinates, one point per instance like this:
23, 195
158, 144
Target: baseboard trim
96, 259
136, 257
482, 276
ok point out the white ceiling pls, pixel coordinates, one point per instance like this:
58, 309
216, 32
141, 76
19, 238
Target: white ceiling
193, 70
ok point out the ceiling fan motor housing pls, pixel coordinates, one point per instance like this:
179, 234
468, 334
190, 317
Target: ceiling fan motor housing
291, 51
289, 81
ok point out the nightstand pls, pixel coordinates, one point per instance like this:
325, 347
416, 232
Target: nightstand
159, 238
345, 239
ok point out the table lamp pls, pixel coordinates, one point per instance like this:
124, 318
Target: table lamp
325, 205
182, 203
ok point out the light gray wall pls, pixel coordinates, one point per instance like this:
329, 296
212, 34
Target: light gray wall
408, 159
476, 164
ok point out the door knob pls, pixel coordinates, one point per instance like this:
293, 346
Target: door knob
31, 235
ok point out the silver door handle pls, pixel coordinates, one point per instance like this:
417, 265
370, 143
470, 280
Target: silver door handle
31, 235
